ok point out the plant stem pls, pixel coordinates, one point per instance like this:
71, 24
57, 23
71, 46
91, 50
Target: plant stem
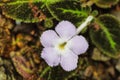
45, 71
83, 25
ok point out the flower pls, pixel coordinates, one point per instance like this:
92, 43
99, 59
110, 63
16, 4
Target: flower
63, 46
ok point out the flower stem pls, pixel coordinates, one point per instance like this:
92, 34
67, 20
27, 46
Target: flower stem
45, 71
83, 25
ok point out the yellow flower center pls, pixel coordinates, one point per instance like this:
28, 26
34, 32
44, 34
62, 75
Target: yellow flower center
62, 46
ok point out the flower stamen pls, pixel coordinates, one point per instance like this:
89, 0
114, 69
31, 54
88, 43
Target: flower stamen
62, 46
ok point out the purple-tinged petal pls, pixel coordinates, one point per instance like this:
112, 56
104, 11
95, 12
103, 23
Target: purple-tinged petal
65, 29
50, 56
69, 61
49, 38
78, 45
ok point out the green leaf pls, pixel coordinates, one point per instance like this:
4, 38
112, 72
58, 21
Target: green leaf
105, 35
69, 10
23, 10
12, 2
51, 1
105, 3
37, 10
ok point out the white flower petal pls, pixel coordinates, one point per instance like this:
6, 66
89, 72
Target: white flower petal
65, 29
50, 56
78, 45
69, 61
49, 38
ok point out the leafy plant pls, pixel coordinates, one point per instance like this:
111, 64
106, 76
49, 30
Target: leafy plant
106, 35
37, 10
105, 3
25, 10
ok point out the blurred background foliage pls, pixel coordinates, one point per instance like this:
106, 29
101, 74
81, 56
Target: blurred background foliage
23, 21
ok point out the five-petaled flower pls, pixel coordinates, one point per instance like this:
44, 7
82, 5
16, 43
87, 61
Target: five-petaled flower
63, 46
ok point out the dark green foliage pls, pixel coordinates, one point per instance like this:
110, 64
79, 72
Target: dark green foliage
69, 10
105, 3
59, 9
21, 11
106, 37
